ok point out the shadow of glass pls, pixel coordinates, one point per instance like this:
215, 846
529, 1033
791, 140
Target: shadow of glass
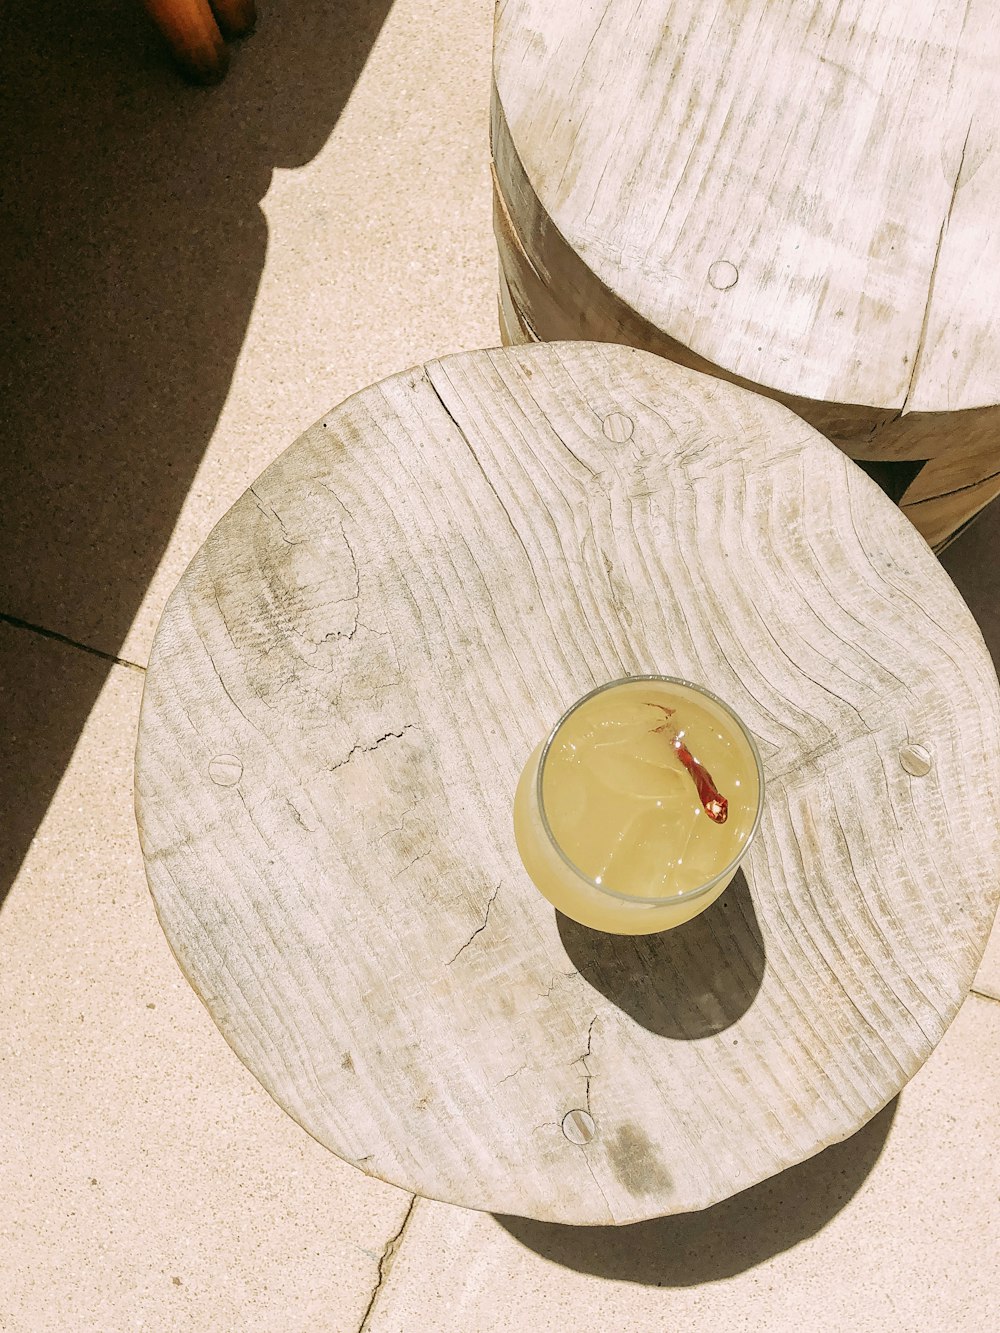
133, 245
690, 982
729, 1238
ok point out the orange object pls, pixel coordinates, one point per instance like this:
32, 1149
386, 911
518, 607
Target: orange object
235, 17
196, 30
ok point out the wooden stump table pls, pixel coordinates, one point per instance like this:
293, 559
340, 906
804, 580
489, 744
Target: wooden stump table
350, 676
799, 198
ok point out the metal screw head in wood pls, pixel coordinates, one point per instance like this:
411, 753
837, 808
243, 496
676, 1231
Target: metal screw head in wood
350, 676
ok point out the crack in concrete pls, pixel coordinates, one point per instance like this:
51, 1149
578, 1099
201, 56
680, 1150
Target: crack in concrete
15, 622
385, 1264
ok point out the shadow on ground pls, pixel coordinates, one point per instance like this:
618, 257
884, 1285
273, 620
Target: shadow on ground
729, 1238
132, 245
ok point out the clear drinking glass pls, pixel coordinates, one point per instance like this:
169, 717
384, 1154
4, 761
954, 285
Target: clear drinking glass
635, 812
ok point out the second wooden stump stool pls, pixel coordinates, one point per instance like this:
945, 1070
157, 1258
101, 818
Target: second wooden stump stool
801, 199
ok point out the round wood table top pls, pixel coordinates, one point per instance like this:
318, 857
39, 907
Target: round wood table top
350, 676
801, 198
805, 195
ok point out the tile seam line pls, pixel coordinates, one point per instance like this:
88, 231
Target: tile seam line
17, 623
385, 1263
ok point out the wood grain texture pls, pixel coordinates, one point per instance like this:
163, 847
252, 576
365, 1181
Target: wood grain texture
801, 199
350, 676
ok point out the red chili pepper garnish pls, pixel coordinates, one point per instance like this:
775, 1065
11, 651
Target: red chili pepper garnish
716, 805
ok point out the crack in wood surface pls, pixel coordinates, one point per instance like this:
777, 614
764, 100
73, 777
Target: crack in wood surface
479, 929
269, 511
253, 819
353, 597
583, 1060
420, 856
373, 745
590, 1168
956, 490
556, 978
931, 282
309, 828
468, 444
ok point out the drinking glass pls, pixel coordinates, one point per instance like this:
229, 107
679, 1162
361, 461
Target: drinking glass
634, 814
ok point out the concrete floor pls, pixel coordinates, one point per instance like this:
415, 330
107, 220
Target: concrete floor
196, 276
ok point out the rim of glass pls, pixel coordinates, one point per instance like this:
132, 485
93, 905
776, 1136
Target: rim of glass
686, 895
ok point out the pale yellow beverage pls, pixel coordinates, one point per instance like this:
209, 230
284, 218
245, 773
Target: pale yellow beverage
634, 814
